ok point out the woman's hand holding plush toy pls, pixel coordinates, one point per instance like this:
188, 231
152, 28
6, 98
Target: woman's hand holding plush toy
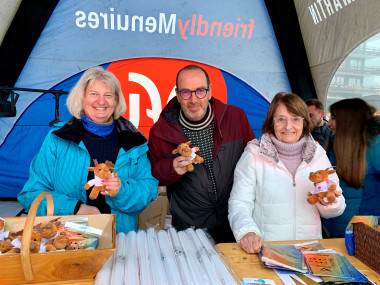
112, 184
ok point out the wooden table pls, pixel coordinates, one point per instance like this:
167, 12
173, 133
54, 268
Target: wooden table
248, 265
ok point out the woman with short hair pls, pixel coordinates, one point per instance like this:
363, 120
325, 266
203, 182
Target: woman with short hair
97, 132
268, 201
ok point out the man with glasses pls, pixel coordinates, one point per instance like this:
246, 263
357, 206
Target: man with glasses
320, 131
199, 198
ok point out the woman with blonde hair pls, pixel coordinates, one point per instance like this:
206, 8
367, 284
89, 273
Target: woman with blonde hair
268, 201
96, 133
354, 147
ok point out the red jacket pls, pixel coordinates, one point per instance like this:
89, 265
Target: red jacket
191, 202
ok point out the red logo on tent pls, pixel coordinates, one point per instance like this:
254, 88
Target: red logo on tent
149, 83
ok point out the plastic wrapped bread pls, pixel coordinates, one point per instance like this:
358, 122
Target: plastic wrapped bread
156, 265
180, 257
221, 268
131, 272
203, 257
196, 269
117, 276
167, 256
143, 259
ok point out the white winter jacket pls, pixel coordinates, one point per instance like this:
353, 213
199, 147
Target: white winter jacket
267, 200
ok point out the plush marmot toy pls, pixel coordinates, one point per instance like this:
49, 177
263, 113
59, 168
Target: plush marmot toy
49, 233
323, 187
3, 234
101, 171
185, 150
62, 242
35, 242
6, 246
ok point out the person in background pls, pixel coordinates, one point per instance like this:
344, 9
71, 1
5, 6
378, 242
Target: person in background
97, 131
268, 200
198, 198
354, 147
320, 130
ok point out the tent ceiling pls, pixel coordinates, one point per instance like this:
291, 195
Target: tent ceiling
331, 30
7, 12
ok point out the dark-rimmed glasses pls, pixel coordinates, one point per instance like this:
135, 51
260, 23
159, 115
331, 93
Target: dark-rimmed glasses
199, 93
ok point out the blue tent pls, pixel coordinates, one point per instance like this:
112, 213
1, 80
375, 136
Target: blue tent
238, 41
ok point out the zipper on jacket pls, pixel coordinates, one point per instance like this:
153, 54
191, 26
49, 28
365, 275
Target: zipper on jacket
294, 209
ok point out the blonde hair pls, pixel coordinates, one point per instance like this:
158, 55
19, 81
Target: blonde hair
75, 100
294, 104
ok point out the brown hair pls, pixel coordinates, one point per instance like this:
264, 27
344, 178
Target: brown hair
315, 102
294, 104
352, 135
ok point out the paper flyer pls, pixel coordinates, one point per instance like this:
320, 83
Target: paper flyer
327, 264
285, 256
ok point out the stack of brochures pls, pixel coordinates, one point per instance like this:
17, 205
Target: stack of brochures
313, 259
332, 267
281, 256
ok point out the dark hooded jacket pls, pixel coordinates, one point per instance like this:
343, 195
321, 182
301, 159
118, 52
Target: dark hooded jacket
321, 134
191, 202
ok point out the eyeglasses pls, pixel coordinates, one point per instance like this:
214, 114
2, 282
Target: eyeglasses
199, 93
282, 120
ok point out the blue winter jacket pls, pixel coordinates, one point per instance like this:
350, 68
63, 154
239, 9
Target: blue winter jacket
359, 201
60, 167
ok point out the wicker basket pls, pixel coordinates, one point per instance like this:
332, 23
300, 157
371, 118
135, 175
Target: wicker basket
56, 266
367, 245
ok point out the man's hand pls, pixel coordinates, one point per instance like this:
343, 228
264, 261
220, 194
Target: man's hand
251, 243
180, 163
87, 210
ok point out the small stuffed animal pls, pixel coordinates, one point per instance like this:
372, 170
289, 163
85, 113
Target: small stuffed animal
62, 242
101, 171
5, 246
185, 150
48, 233
13, 250
35, 242
323, 187
3, 234
49, 230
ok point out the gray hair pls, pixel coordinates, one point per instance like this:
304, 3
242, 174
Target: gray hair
75, 99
